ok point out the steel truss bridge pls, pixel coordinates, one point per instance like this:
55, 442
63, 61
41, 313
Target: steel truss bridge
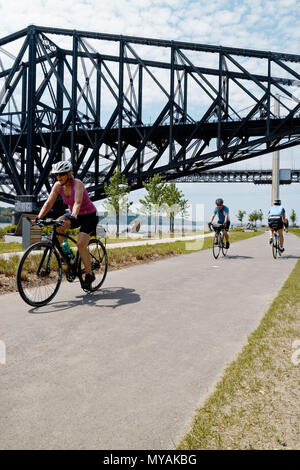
146, 105
241, 176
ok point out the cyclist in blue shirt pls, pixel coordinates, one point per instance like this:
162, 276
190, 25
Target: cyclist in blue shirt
277, 220
223, 218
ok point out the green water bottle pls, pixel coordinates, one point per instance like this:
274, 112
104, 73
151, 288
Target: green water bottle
66, 249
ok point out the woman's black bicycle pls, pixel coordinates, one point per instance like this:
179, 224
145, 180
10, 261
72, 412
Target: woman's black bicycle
40, 269
219, 241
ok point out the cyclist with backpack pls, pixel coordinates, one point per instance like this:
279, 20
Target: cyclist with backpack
277, 220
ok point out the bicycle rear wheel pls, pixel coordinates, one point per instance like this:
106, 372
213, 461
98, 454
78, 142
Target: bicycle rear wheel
99, 262
39, 274
278, 246
216, 246
274, 246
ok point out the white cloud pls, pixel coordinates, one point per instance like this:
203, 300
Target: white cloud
255, 24
245, 24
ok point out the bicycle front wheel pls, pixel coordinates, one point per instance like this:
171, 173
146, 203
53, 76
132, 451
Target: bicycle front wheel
224, 249
216, 246
99, 263
39, 274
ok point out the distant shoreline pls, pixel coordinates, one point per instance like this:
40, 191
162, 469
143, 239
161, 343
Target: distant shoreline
4, 223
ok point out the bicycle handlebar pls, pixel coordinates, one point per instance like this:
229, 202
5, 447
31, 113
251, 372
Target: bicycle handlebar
46, 222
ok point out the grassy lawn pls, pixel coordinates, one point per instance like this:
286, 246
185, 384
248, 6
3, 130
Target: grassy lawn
122, 257
256, 403
296, 231
15, 247
10, 247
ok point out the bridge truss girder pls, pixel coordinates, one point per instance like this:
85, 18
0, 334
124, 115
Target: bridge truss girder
241, 176
88, 97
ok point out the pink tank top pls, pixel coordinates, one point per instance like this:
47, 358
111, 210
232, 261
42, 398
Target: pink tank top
87, 207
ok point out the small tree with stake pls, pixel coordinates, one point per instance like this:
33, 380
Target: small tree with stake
153, 201
254, 217
293, 217
116, 192
240, 216
171, 198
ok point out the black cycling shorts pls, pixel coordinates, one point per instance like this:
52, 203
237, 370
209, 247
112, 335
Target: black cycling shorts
275, 222
227, 225
86, 222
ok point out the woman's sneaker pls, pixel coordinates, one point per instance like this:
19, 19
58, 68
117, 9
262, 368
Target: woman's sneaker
89, 279
281, 249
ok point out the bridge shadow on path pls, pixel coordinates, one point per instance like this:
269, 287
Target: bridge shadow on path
111, 298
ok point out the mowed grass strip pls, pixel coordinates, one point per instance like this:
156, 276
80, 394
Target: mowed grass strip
256, 403
10, 247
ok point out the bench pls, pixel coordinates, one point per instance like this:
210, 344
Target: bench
30, 233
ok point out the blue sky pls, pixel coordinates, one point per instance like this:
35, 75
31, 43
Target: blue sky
266, 25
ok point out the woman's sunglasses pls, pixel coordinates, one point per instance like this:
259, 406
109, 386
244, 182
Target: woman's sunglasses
62, 174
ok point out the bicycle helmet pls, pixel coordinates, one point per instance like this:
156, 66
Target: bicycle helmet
219, 202
277, 202
61, 167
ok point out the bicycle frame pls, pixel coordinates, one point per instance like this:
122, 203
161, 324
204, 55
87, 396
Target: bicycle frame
219, 240
53, 238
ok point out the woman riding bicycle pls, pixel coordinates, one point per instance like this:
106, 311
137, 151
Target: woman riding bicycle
83, 212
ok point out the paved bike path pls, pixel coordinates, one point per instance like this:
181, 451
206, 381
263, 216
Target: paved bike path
126, 368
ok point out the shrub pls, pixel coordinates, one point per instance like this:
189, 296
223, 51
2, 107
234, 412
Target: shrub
47, 230
10, 228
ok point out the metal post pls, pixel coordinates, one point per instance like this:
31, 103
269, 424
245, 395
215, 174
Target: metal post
98, 94
185, 96
31, 114
140, 96
121, 99
219, 108
171, 104
139, 116
275, 165
74, 98
60, 104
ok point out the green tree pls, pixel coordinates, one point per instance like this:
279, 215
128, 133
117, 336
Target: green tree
240, 216
117, 199
293, 217
260, 216
254, 217
171, 202
153, 201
